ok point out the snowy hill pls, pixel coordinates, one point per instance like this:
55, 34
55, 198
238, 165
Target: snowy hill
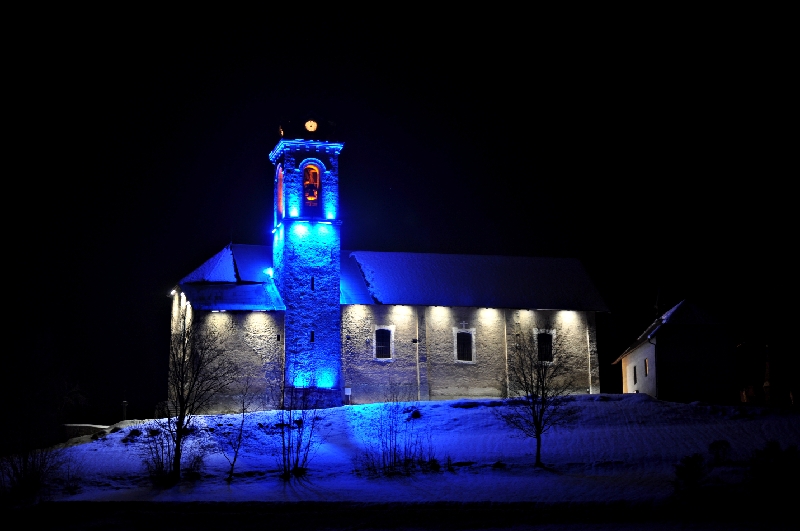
620, 449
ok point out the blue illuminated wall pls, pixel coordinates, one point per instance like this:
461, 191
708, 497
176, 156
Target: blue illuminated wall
306, 248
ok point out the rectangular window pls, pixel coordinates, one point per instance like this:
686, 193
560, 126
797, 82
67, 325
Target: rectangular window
544, 344
312, 283
646, 368
383, 343
312, 336
634, 375
464, 346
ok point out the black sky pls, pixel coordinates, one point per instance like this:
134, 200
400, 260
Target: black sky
659, 161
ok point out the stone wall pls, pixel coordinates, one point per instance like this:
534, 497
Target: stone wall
368, 377
424, 349
423, 363
484, 376
254, 341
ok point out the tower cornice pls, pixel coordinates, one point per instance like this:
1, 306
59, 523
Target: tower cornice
315, 146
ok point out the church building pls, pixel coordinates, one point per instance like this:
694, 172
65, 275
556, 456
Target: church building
354, 324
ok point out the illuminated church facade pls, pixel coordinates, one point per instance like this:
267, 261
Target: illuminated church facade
353, 325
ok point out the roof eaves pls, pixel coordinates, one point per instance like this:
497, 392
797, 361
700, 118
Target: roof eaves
645, 336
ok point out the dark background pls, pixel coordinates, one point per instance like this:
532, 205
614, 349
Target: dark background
657, 157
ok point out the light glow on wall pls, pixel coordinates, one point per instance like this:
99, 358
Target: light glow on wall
567, 318
440, 313
300, 229
359, 311
301, 380
401, 312
322, 379
488, 314
294, 212
325, 379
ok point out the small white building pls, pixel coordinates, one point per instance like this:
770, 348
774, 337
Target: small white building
684, 355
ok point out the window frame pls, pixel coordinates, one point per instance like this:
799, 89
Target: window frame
471, 332
391, 329
552, 333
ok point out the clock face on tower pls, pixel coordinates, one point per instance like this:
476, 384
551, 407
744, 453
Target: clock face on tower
311, 125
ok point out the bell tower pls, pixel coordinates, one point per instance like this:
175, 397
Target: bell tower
306, 247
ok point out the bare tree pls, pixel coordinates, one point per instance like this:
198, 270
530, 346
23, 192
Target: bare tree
541, 373
199, 370
247, 398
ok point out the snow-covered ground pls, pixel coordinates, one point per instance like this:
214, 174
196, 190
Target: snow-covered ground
621, 449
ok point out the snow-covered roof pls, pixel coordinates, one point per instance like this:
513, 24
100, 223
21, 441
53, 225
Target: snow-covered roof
479, 281
231, 296
422, 279
235, 278
234, 263
353, 288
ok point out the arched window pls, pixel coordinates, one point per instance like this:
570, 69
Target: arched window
311, 186
279, 187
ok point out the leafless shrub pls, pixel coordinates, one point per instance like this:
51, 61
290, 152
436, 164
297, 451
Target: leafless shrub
298, 429
71, 473
395, 443
28, 475
157, 453
232, 441
156, 450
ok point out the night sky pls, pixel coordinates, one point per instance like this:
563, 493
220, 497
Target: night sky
143, 152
